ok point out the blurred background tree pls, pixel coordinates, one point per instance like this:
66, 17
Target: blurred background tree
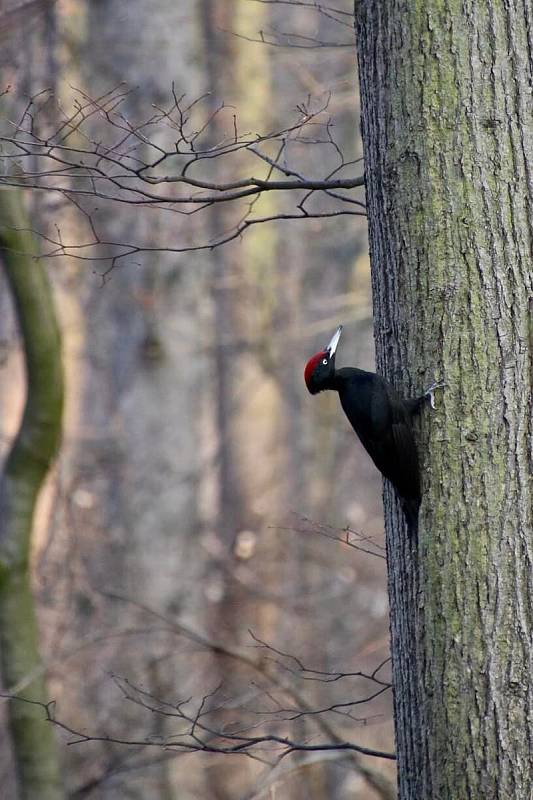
33, 450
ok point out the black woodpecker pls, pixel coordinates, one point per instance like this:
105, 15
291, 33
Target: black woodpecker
382, 420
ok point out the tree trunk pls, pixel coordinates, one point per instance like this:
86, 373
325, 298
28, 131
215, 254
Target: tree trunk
26, 467
220, 50
448, 136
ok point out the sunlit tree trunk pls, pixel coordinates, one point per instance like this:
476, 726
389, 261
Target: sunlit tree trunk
447, 125
27, 464
230, 607
217, 20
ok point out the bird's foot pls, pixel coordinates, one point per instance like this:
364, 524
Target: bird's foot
430, 393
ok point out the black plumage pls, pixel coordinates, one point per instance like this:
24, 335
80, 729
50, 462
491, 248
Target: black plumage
381, 419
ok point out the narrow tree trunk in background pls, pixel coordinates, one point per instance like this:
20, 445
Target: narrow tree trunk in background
217, 20
447, 125
26, 467
226, 614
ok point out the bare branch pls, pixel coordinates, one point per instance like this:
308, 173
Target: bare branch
309, 674
221, 742
293, 40
133, 168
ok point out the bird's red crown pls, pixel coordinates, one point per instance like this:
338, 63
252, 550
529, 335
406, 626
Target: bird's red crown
312, 364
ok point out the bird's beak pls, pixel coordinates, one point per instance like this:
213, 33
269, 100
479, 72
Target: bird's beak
332, 346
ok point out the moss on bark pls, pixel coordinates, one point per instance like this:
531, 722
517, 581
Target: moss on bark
447, 126
27, 464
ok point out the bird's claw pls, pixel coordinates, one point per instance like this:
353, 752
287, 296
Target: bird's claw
430, 393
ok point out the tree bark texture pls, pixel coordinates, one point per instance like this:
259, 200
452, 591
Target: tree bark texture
26, 467
447, 123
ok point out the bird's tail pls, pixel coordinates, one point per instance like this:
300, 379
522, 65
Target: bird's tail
411, 507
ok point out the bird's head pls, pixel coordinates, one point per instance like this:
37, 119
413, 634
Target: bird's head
320, 369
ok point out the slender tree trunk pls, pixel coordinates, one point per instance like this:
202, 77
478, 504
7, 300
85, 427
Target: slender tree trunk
447, 118
35, 446
223, 782
216, 21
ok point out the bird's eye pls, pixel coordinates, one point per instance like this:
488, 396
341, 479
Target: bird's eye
324, 361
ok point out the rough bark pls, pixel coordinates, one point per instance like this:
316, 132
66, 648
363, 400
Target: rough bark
26, 467
447, 127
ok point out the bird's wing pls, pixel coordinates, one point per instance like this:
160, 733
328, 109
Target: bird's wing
383, 425
407, 475
396, 453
